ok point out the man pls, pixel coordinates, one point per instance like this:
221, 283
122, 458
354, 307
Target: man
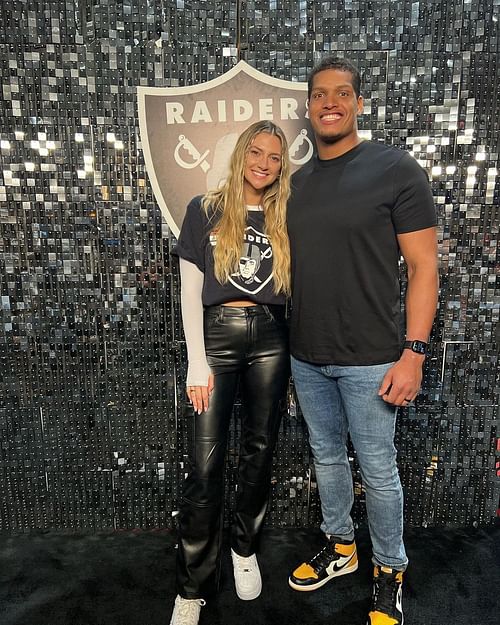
355, 208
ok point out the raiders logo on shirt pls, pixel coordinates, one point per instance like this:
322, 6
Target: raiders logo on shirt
255, 268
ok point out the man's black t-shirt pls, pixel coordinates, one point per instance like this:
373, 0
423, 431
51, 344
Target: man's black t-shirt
343, 219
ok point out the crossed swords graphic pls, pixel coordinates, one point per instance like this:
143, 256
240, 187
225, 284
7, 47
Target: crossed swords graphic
200, 159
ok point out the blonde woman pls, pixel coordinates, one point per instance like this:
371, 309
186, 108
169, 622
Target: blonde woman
235, 277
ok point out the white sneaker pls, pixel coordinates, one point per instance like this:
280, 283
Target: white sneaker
186, 611
247, 577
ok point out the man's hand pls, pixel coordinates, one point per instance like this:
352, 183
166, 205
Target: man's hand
401, 383
199, 395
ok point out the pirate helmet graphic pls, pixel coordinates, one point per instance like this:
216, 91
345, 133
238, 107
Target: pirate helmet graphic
249, 263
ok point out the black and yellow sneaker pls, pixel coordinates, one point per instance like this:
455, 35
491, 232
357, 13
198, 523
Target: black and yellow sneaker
387, 597
338, 557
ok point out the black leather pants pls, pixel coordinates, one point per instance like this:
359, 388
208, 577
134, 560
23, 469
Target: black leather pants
249, 346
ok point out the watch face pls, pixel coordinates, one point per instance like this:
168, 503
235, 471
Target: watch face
419, 347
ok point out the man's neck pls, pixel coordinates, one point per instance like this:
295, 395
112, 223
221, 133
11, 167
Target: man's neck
327, 151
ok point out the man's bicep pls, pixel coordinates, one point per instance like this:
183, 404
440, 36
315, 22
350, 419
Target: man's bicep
419, 247
414, 207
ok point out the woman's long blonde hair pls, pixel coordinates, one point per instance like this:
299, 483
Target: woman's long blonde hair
226, 206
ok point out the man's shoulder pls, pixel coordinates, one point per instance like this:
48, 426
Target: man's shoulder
305, 170
382, 158
382, 150
301, 177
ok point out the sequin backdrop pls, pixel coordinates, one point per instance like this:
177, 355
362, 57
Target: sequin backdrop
92, 423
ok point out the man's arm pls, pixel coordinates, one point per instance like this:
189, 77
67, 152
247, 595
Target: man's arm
402, 382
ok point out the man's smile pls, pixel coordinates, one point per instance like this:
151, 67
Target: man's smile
331, 117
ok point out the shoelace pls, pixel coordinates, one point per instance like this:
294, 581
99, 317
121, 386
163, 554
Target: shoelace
245, 565
190, 607
323, 558
386, 588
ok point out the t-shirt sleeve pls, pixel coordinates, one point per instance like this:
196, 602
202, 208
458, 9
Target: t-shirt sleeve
191, 241
413, 202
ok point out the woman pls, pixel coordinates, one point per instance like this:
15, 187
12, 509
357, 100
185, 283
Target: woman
235, 276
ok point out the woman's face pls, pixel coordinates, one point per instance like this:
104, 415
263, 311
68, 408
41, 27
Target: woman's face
262, 166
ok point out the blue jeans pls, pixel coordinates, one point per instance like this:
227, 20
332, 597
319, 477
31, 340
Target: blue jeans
341, 400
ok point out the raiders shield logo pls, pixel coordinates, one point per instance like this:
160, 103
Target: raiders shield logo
188, 133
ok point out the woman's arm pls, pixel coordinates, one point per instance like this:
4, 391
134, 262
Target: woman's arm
199, 377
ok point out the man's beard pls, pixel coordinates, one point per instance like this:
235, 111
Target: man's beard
330, 139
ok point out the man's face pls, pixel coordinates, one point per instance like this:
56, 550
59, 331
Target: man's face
333, 108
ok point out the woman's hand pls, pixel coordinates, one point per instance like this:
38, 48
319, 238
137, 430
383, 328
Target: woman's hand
199, 395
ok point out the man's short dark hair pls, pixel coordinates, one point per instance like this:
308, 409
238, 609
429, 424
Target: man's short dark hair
335, 62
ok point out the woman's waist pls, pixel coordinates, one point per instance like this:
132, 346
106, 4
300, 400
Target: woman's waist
246, 309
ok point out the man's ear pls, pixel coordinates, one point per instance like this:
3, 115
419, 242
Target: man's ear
361, 104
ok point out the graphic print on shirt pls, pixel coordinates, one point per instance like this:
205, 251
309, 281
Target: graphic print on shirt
255, 268
249, 264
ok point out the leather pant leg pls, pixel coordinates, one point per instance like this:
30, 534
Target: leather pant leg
200, 515
263, 387
247, 345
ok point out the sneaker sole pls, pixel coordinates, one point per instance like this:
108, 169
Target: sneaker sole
402, 621
311, 587
248, 596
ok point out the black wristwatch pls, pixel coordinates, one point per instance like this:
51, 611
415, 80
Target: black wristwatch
419, 347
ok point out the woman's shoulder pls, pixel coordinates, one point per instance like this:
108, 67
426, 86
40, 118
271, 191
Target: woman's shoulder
195, 204
197, 211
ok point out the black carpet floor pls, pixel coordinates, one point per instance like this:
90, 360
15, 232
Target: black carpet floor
127, 578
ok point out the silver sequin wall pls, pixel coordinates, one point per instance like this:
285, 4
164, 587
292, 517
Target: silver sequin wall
93, 426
